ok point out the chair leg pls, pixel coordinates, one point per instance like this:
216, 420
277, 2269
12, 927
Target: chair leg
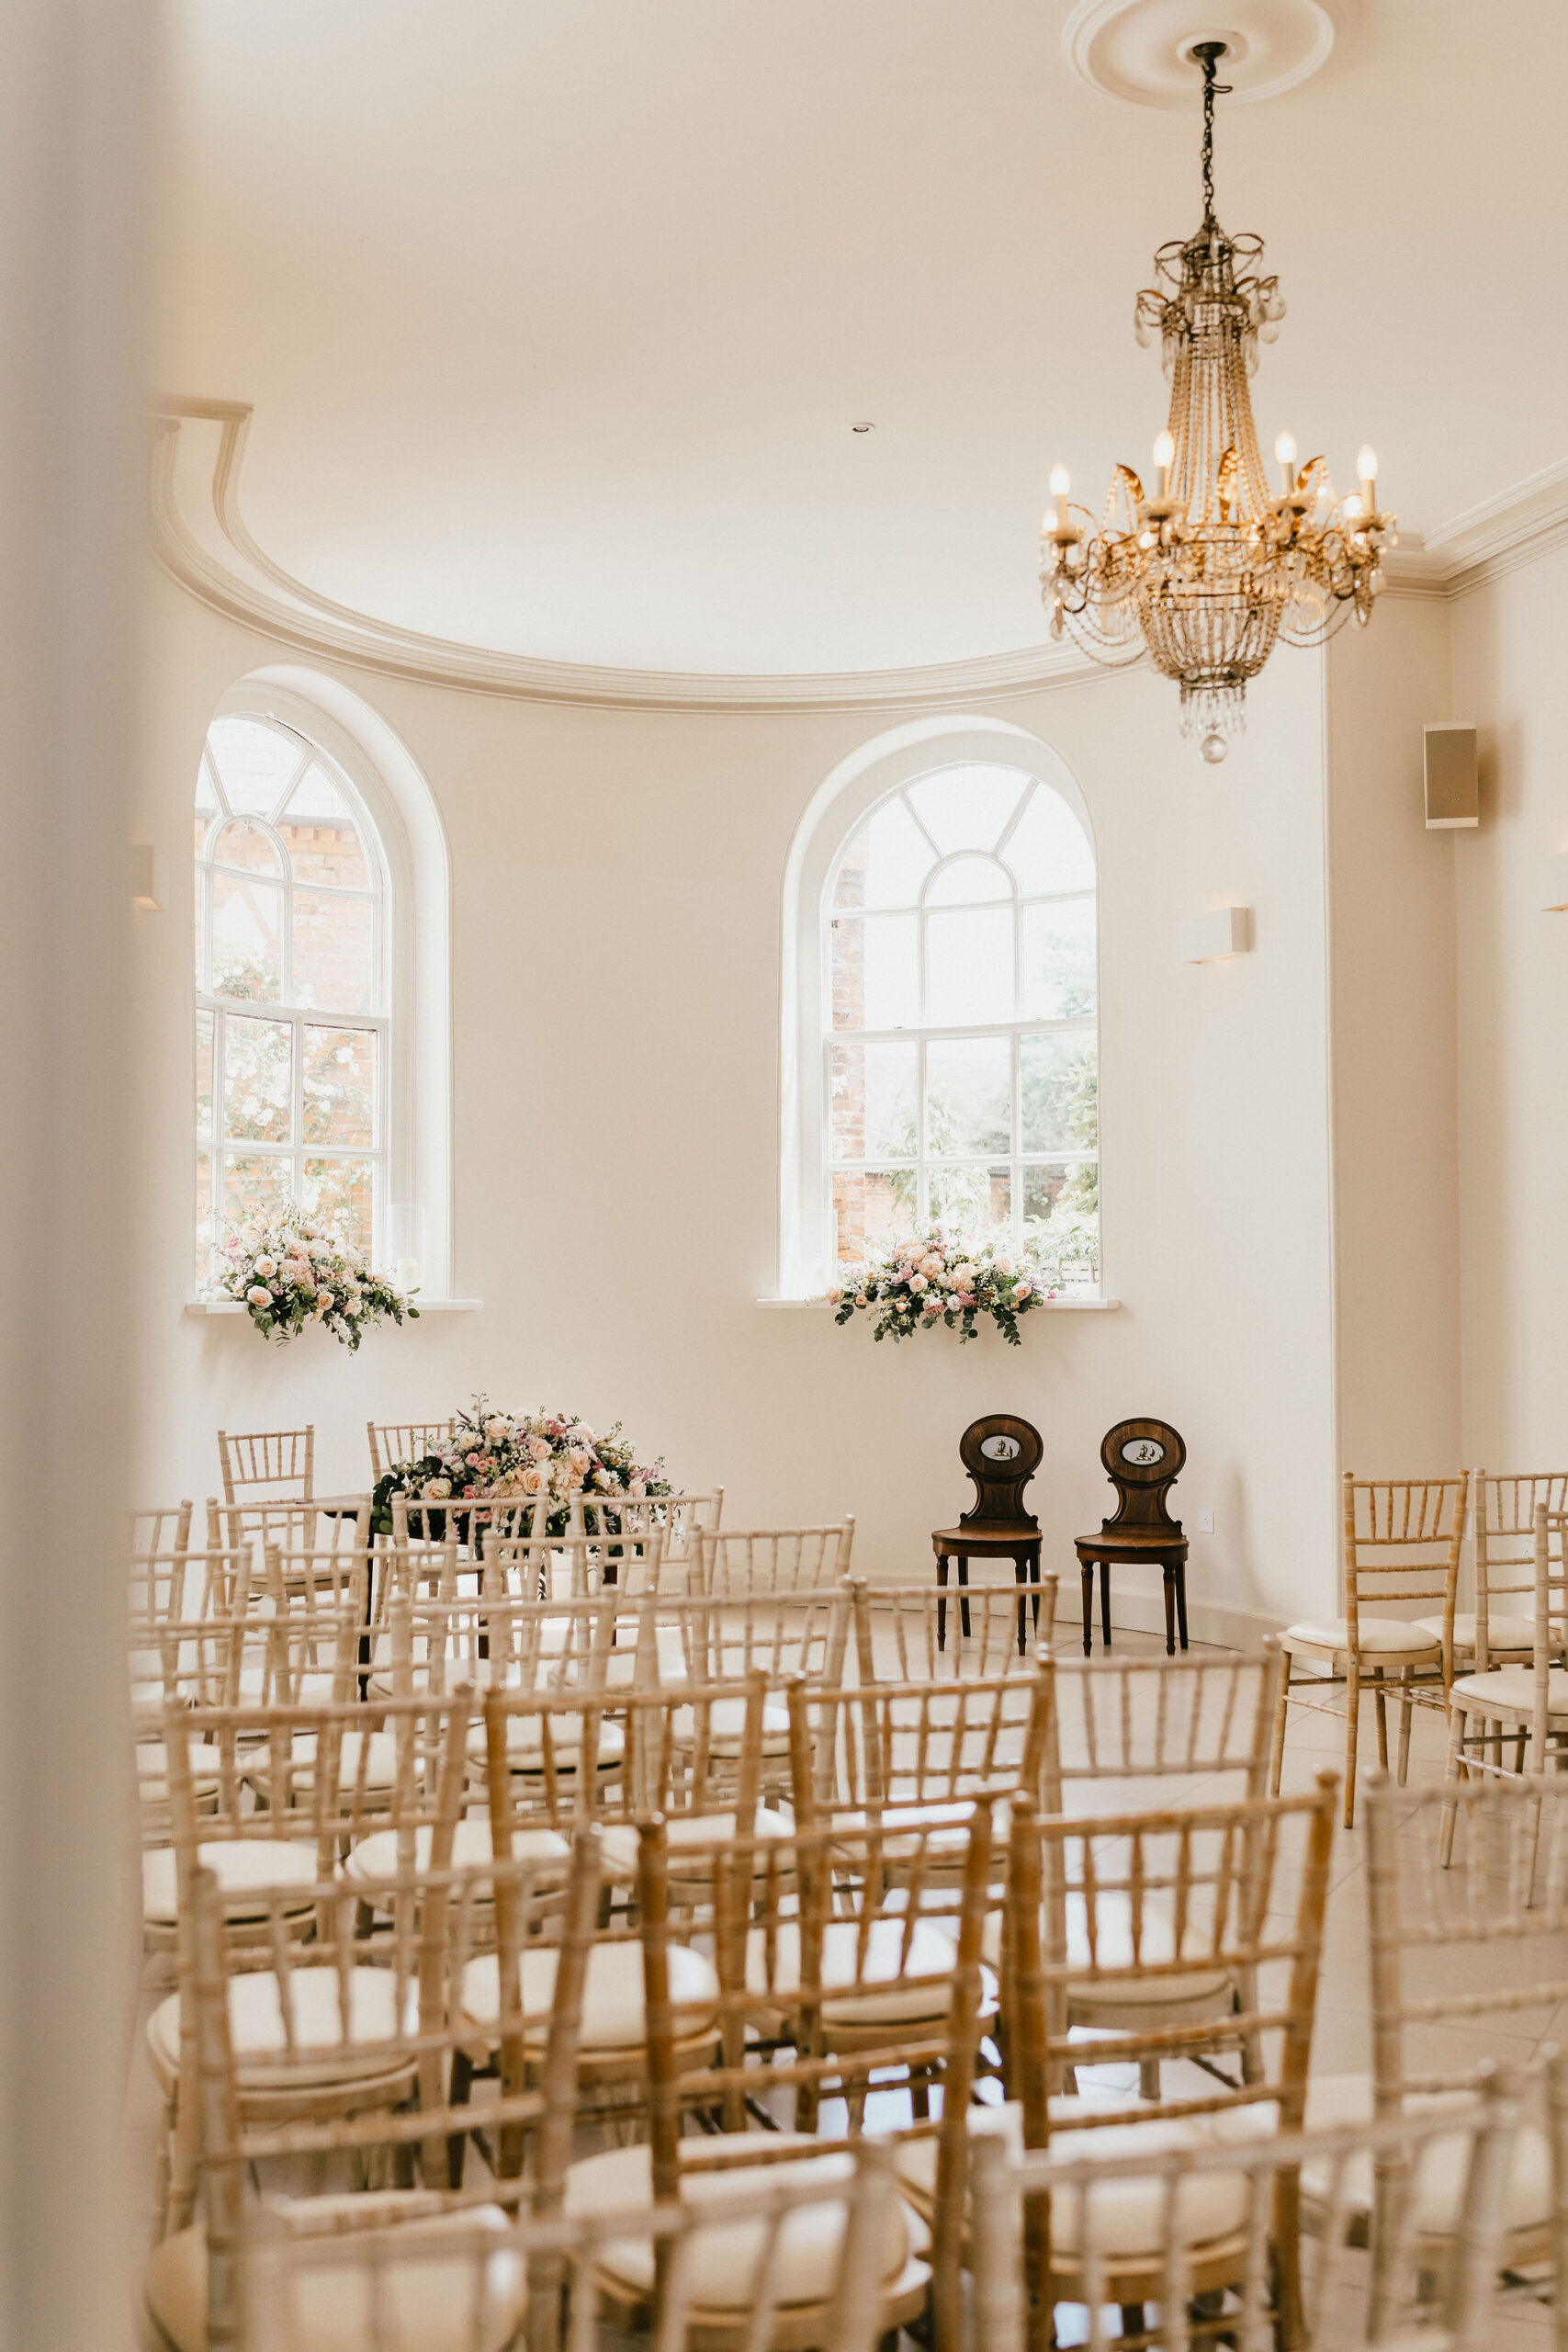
1383, 1718
1352, 1736
1453, 1770
1148, 2078
1406, 1711
1281, 1707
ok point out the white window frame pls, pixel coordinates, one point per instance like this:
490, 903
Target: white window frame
415, 946
807, 1259
285, 1011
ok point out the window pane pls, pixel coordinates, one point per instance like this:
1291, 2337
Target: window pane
340, 1086
1061, 1214
256, 1186
973, 1204
333, 944
1048, 848
887, 862
204, 1025
202, 882
255, 763
874, 972
874, 1101
1058, 960
969, 966
258, 1078
247, 846
968, 879
340, 1192
205, 797
247, 942
872, 1213
967, 807
322, 837
205, 1237
969, 1094
1057, 1081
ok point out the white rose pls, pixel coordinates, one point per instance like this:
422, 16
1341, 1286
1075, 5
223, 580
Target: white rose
259, 1296
931, 1265
438, 1489
498, 1428
1020, 1291
265, 1266
964, 1276
1003, 1265
917, 1282
602, 1478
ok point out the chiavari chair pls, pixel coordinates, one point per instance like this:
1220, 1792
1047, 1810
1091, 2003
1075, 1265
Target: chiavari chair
393, 1442
898, 1638
1401, 1540
1502, 1509
195, 2282
823, 1993
449, 2287
1208, 2209
612, 1520
1239, 1889
1526, 1706
1502, 1906
161, 1533
733, 1564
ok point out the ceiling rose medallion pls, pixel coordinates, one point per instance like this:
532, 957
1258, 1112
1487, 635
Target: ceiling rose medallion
1213, 569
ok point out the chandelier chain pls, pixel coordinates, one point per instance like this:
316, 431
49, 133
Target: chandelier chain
1209, 53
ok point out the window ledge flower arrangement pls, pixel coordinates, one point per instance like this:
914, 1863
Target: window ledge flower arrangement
293, 1273
521, 1457
937, 1280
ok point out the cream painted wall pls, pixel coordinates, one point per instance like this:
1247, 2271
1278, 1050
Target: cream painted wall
1509, 674
616, 880
1396, 1089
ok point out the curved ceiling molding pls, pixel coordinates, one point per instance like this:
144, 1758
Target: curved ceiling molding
201, 538
1141, 49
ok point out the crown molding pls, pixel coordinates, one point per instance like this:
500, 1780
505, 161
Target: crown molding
201, 536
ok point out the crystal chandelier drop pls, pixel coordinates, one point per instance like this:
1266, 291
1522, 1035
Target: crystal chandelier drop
1210, 571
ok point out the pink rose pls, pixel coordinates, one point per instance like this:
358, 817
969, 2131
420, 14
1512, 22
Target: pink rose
531, 1481
1020, 1291
933, 1307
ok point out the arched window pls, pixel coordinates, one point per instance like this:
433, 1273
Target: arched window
960, 1052
293, 977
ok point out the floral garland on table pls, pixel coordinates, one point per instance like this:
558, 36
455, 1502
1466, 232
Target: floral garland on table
520, 1457
294, 1272
939, 1281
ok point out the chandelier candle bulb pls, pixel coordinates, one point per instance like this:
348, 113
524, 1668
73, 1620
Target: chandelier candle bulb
1367, 469
1165, 457
1285, 451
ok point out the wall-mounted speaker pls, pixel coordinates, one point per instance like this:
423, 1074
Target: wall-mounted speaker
1453, 780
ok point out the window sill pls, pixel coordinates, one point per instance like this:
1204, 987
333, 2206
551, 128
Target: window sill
1053, 1305
426, 1306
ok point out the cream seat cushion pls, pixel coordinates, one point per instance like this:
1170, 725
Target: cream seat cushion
1511, 1687
1377, 1636
247, 1866
377, 1857
256, 2026
1334, 2101
374, 1753
525, 1742
899, 1981
1504, 1634
614, 2017
724, 2258
726, 1727
1113, 1917
688, 1835
258, 1687
152, 1768
431, 2305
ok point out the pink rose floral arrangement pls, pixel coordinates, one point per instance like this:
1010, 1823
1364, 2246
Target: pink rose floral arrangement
521, 1457
293, 1273
937, 1280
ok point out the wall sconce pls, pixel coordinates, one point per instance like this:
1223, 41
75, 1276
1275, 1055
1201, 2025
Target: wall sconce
1222, 931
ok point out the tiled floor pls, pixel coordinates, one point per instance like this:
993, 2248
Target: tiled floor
1342, 2036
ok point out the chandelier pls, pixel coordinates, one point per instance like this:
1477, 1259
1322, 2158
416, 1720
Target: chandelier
1209, 572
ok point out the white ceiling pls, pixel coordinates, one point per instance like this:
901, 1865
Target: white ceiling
555, 313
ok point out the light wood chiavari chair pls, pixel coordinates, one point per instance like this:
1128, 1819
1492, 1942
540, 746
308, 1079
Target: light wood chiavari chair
678, 1519
735, 1562
1203, 1886
822, 1992
1402, 1539
1428, 1927
1518, 1706
903, 1636
195, 2282
281, 1461
1502, 1510
1189, 2202
393, 1442
159, 1534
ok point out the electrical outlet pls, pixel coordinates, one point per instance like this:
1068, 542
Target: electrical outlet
1206, 1522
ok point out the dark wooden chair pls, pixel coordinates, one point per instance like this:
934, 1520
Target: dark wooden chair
1002, 1454
1142, 1460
